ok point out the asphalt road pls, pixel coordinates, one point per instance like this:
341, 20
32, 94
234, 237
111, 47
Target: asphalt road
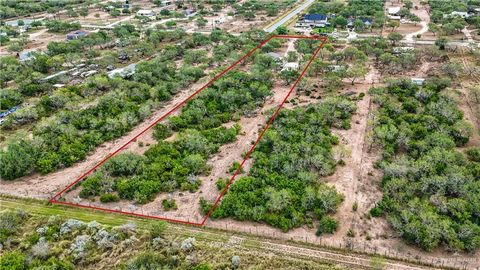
290, 15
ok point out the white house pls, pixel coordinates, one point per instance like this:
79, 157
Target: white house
313, 20
146, 12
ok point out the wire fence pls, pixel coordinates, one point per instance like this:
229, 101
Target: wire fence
362, 247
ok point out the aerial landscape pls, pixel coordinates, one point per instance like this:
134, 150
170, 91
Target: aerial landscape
239, 134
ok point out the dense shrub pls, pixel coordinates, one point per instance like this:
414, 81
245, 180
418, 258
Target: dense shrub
327, 225
168, 166
430, 189
9, 98
283, 188
109, 197
17, 160
169, 204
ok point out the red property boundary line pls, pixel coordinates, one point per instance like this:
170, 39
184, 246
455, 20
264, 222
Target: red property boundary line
217, 201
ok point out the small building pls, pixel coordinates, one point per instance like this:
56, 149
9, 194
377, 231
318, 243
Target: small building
77, 34
418, 81
399, 50
336, 68
189, 12
461, 14
167, 2
27, 55
123, 72
313, 20
290, 66
146, 13
393, 13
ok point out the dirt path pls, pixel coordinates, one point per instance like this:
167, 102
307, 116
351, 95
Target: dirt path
422, 13
44, 186
466, 105
347, 179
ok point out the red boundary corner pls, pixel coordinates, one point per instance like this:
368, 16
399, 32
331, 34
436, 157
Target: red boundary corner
217, 201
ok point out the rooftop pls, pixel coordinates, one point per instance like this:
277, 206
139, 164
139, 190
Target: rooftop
393, 10
315, 17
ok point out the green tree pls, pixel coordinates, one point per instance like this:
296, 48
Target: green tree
356, 72
201, 22
327, 225
394, 37
393, 24
17, 160
441, 43
289, 75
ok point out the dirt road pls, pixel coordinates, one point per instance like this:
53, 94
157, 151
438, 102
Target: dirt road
422, 13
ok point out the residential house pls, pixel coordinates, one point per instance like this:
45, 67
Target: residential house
393, 13
366, 22
275, 56
313, 20
123, 72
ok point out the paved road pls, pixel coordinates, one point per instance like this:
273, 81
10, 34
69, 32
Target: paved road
293, 13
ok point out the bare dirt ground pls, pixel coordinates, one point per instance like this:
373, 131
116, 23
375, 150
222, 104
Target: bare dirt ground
466, 105
404, 29
38, 40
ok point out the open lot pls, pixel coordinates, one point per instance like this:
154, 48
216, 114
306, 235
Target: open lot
375, 150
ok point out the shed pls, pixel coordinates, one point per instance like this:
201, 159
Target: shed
76, 34
146, 12
418, 81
